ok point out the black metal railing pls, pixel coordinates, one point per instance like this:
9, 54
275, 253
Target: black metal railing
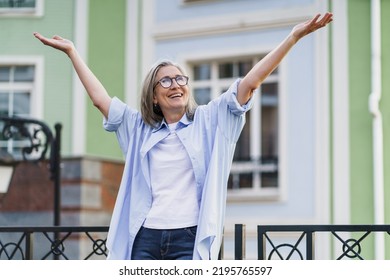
284, 242
348, 241
56, 242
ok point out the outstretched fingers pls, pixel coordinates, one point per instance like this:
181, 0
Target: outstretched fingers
43, 39
327, 18
318, 22
311, 25
56, 42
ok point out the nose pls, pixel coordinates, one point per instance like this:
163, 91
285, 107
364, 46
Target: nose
174, 84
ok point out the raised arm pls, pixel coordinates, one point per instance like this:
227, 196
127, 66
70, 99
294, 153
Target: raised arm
93, 86
264, 67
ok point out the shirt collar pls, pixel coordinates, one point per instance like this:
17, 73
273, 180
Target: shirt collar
184, 121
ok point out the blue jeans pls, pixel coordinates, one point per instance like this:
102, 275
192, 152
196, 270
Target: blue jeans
171, 244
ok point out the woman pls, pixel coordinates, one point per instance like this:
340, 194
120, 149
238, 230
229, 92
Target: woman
171, 202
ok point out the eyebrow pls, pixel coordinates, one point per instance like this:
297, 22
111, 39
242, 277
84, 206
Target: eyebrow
171, 77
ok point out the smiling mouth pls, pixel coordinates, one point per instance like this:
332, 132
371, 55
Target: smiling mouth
176, 95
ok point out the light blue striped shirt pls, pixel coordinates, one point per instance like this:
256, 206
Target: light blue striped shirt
209, 140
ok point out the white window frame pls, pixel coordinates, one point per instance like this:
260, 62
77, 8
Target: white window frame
256, 193
24, 12
36, 88
36, 105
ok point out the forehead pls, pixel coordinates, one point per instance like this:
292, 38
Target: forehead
169, 71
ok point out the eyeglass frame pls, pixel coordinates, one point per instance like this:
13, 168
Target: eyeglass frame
171, 79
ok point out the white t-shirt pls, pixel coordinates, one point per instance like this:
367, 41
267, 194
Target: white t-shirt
175, 203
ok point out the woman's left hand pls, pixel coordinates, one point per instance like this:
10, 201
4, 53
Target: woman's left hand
307, 27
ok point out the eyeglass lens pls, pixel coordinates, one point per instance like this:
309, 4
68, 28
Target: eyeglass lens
166, 82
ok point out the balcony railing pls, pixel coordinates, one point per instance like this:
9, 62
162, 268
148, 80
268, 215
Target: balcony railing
56, 242
348, 241
285, 242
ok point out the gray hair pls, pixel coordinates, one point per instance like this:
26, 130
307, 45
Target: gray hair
151, 115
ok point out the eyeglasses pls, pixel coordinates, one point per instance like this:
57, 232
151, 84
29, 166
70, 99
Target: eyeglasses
166, 82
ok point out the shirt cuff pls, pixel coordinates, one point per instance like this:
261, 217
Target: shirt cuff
235, 107
115, 115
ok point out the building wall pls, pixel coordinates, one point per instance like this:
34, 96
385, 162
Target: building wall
352, 175
385, 107
98, 30
106, 57
359, 115
361, 161
361, 120
54, 100
88, 192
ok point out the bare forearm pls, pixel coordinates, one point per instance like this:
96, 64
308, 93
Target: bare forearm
92, 85
264, 68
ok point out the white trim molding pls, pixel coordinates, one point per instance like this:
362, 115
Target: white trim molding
340, 113
79, 96
132, 79
214, 25
340, 165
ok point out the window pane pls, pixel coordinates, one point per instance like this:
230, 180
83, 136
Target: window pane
240, 181
21, 103
225, 70
269, 179
269, 94
242, 152
5, 73
202, 95
269, 88
202, 72
4, 101
244, 67
17, 3
24, 73
269, 132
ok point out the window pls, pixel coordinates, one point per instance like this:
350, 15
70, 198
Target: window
21, 7
255, 162
16, 88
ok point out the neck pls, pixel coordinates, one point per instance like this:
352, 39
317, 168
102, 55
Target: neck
173, 116
172, 119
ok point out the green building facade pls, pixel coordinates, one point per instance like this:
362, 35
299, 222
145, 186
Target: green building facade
346, 164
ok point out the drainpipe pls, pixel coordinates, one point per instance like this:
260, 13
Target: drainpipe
374, 99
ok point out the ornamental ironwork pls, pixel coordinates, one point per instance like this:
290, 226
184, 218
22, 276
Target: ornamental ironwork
34, 137
299, 242
48, 243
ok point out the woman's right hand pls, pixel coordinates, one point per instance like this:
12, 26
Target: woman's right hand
93, 86
56, 42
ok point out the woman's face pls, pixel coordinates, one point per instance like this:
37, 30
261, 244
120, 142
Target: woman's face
173, 99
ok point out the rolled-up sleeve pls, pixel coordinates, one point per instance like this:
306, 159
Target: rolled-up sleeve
115, 115
231, 98
122, 120
231, 114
